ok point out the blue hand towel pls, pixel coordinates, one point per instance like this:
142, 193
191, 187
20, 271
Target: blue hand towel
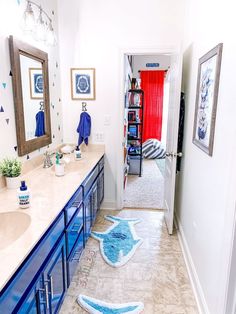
40, 124
84, 128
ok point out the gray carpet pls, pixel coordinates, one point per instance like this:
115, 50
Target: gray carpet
146, 191
161, 165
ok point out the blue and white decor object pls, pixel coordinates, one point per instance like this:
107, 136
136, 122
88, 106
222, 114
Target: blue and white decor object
36, 83
83, 84
153, 149
119, 243
94, 306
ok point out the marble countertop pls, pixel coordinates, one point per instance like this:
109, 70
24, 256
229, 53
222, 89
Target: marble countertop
49, 194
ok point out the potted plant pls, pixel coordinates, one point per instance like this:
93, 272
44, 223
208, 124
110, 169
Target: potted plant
11, 169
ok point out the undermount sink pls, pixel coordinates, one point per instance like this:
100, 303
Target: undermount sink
12, 226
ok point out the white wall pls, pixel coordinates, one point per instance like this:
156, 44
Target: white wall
94, 34
11, 13
206, 201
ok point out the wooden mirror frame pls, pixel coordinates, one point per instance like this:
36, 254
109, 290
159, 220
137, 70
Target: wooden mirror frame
18, 48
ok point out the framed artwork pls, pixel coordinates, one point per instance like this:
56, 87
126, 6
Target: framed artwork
133, 130
83, 84
206, 99
132, 115
36, 83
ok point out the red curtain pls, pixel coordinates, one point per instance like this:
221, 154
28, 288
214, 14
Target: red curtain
152, 83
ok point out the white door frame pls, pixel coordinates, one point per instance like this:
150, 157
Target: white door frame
158, 50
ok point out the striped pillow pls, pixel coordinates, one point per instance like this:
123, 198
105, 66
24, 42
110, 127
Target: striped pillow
153, 149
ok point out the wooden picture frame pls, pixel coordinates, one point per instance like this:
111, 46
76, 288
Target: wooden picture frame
206, 99
83, 84
36, 83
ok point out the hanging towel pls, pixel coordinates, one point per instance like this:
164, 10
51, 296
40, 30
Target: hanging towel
40, 124
84, 128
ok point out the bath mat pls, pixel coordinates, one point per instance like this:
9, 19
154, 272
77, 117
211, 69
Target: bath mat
119, 243
94, 306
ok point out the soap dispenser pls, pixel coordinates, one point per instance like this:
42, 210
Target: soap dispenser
23, 195
59, 167
77, 153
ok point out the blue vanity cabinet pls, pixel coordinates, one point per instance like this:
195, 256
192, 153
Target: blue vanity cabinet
87, 215
73, 229
94, 200
34, 303
73, 205
17, 290
48, 292
74, 241
39, 284
100, 187
54, 278
74, 257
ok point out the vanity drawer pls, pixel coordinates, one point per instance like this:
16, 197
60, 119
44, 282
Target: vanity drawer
101, 164
73, 261
19, 284
90, 179
73, 230
73, 205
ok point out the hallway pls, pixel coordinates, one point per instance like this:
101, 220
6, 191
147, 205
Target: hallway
156, 275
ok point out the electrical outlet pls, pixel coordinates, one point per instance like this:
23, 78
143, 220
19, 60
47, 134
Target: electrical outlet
99, 137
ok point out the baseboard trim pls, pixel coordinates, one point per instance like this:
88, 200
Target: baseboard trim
195, 283
106, 204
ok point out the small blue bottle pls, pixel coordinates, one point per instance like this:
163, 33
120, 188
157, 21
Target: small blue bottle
23, 195
77, 153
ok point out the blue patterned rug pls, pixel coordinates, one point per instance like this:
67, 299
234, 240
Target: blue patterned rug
119, 243
95, 306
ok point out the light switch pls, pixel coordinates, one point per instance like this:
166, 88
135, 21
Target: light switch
107, 120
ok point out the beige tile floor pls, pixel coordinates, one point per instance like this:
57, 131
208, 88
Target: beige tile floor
156, 275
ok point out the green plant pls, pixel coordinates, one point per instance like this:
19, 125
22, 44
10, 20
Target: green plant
10, 167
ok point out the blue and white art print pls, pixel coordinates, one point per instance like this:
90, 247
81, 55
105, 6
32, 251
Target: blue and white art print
119, 242
83, 84
36, 83
94, 306
206, 99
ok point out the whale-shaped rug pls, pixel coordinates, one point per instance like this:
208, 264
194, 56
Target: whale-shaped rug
119, 243
94, 306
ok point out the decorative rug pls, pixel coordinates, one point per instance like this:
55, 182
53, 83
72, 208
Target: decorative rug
161, 165
95, 306
119, 243
146, 191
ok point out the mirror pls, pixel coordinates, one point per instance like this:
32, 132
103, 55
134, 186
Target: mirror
29, 67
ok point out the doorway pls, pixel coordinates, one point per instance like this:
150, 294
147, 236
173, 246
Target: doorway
172, 128
150, 74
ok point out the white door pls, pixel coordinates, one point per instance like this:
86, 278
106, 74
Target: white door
172, 138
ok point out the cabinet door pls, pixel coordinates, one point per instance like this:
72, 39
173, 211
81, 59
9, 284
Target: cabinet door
87, 215
94, 201
100, 188
35, 302
55, 277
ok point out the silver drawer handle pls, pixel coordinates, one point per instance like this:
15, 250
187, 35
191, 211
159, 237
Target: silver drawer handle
51, 285
45, 291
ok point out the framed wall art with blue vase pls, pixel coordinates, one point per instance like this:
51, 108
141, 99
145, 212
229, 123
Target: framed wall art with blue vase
206, 99
83, 84
36, 83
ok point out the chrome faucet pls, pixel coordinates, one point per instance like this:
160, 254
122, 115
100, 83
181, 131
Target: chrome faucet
47, 163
